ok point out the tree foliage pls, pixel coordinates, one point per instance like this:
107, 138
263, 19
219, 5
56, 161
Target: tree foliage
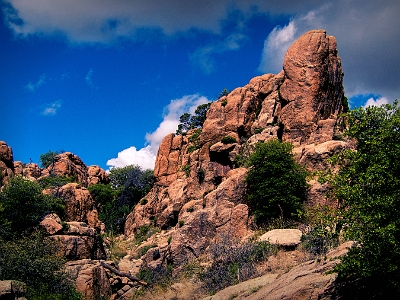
128, 185
187, 121
46, 159
276, 184
35, 260
367, 186
22, 205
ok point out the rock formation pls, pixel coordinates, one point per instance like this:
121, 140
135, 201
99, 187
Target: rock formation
6, 162
97, 175
69, 165
199, 188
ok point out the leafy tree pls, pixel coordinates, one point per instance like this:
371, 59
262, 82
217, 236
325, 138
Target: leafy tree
187, 121
34, 260
367, 187
46, 159
276, 184
22, 205
128, 185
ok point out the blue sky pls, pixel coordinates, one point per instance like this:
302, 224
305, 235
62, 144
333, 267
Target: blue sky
108, 79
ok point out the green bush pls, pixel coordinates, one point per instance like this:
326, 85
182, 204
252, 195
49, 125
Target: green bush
186, 169
55, 181
191, 148
228, 140
224, 102
22, 206
143, 201
367, 187
258, 130
276, 184
36, 261
145, 249
48, 158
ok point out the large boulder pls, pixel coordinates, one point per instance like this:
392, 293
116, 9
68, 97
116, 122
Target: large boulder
69, 165
97, 175
6, 162
79, 204
91, 279
282, 237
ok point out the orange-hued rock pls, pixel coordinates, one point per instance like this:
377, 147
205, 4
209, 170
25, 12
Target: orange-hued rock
199, 189
69, 165
79, 204
6, 162
312, 91
97, 175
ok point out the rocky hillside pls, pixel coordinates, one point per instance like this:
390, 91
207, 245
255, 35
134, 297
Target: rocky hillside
199, 188
198, 194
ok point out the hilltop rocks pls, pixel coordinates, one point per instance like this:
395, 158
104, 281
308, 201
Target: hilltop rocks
312, 92
97, 175
69, 165
79, 204
6, 162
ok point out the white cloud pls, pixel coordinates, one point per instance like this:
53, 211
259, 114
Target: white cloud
143, 157
34, 86
377, 102
52, 108
275, 47
146, 156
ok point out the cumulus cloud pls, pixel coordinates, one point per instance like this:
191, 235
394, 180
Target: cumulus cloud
376, 102
146, 156
34, 86
51, 109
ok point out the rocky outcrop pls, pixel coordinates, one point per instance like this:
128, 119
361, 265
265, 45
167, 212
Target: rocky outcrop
6, 162
69, 165
79, 204
199, 189
91, 279
97, 175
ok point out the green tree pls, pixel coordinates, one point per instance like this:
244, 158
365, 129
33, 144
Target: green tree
36, 261
367, 187
276, 184
187, 121
46, 159
22, 205
128, 185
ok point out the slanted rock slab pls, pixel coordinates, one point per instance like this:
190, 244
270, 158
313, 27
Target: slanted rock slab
283, 237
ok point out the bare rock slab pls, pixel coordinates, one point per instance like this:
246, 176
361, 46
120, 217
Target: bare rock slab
283, 237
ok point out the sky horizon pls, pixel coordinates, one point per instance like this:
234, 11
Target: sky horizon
108, 79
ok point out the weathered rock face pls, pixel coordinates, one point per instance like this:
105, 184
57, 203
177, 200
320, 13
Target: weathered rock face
79, 204
199, 188
97, 175
69, 165
6, 162
90, 278
312, 92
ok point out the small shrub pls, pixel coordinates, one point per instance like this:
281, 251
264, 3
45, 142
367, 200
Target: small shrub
191, 148
169, 239
181, 223
233, 261
190, 209
143, 201
144, 233
224, 102
258, 130
186, 169
145, 249
228, 139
